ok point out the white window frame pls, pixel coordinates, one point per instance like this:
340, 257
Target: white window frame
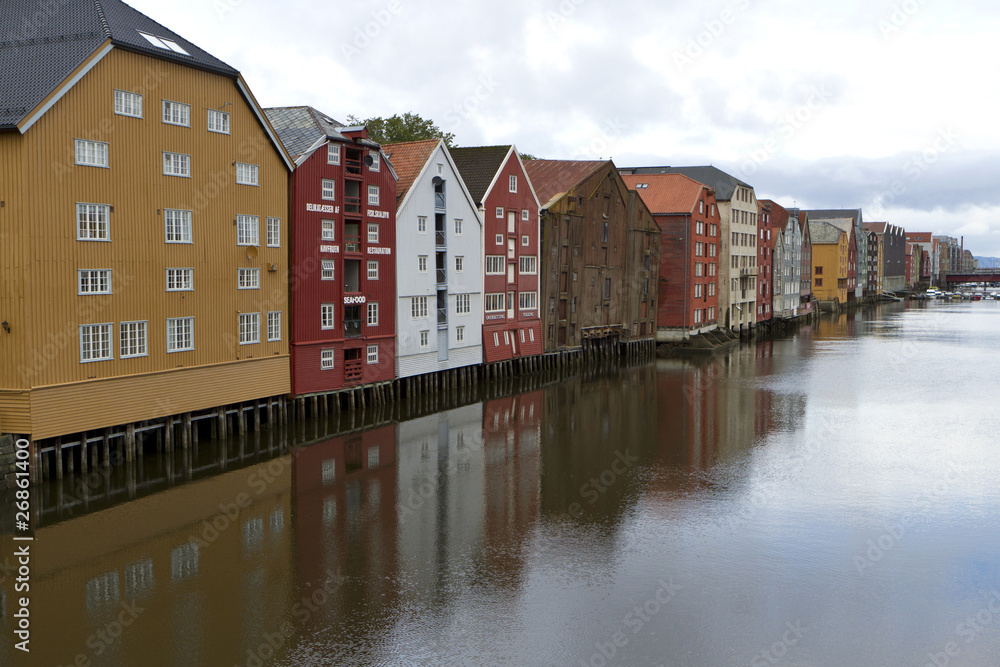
93, 281
176, 113
499, 239
247, 174
217, 121
528, 265
376, 162
372, 269
179, 337
247, 230
421, 263
128, 103
328, 185
372, 356
459, 264
512, 183
425, 339
327, 360
499, 212
327, 316
458, 226
182, 279
273, 232
93, 219
463, 304
460, 334
248, 279
333, 153
328, 270
525, 240
181, 224
373, 232
249, 328
176, 164
104, 331
527, 301
373, 195
418, 308
372, 314
495, 302
133, 339
328, 230
273, 326
94, 153
496, 265
422, 224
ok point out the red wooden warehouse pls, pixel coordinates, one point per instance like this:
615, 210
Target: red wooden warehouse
343, 245
498, 183
686, 210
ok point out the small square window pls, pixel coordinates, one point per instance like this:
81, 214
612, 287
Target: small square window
246, 174
175, 113
329, 232
373, 354
524, 240
249, 328
524, 215
373, 232
332, 153
249, 279
92, 222
94, 281
500, 212
91, 153
375, 160
372, 270
218, 121
176, 164
329, 188
499, 239
95, 342
373, 195
326, 364
128, 104
328, 270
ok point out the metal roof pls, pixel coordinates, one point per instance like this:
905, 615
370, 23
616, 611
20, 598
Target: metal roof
300, 128
724, 184
40, 52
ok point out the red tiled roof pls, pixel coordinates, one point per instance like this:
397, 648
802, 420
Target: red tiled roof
666, 193
553, 178
919, 237
877, 227
408, 159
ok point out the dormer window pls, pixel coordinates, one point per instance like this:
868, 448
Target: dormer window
163, 43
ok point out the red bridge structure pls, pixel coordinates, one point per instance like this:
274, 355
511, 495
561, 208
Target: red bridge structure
981, 276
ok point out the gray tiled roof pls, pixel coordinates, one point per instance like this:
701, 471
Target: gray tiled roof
823, 232
828, 214
42, 43
299, 128
478, 165
724, 184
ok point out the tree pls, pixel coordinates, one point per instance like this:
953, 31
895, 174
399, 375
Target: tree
528, 156
408, 127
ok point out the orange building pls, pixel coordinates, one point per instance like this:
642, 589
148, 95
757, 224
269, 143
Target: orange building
143, 203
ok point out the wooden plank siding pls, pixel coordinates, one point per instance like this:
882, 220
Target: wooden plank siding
40, 185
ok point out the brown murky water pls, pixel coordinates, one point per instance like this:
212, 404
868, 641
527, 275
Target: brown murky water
827, 499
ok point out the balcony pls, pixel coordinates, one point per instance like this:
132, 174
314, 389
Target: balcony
440, 240
352, 370
748, 271
352, 162
442, 316
352, 204
352, 243
439, 200
442, 277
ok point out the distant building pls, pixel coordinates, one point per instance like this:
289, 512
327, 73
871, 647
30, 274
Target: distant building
857, 247
343, 240
892, 260
439, 305
688, 217
600, 255
738, 241
859, 275
806, 289
831, 261
497, 181
144, 216
786, 280
765, 262
929, 265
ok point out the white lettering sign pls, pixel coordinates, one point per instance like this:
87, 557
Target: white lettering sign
378, 214
329, 248
322, 208
351, 300
378, 250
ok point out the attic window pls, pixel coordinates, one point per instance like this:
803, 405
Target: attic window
641, 186
163, 43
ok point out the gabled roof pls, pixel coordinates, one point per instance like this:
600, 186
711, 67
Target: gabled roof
409, 159
854, 214
38, 56
877, 227
779, 214
823, 232
479, 166
724, 184
666, 193
301, 129
554, 178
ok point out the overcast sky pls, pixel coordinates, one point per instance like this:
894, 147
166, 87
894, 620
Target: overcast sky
890, 106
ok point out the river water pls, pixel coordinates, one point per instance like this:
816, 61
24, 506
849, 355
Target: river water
829, 498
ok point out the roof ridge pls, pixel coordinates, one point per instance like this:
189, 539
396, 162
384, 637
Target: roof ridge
104, 19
